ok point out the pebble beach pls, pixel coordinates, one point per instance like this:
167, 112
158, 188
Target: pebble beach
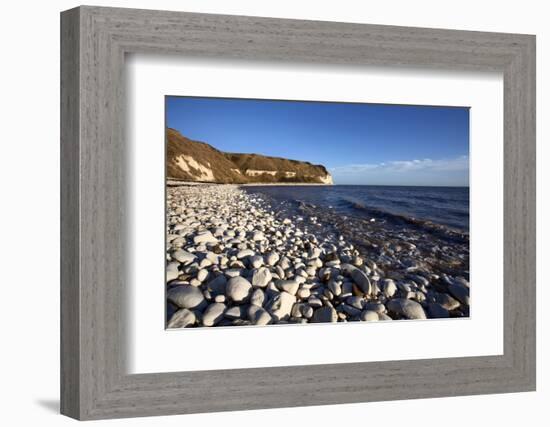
232, 259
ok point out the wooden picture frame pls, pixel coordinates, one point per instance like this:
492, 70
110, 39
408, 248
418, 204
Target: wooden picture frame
94, 41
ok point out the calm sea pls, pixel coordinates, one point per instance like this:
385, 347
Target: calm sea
447, 206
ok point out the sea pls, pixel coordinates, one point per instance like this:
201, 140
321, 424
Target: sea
445, 206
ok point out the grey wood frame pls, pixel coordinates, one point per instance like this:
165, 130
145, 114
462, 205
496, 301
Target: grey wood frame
94, 41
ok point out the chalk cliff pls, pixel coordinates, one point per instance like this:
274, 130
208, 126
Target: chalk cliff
200, 162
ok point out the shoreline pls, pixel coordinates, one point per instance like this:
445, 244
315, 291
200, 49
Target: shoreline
232, 260
174, 182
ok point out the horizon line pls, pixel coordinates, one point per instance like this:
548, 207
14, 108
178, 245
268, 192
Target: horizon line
406, 185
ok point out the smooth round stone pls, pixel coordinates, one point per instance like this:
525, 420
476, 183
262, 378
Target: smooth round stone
186, 296
257, 298
272, 258
389, 288
303, 293
172, 272
460, 292
238, 289
307, 311
447, 301
245, 253
325, 314
362, 280
261, 277
296, 310
261, 317
437, 311
213, 314
204, 237
406, 308
257, 236
256, 261
181, 319
183, 256
219, 298
369, 316
290, 286
202, 275
281, 305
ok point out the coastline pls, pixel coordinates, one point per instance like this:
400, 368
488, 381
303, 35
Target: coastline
174, 182
233, 259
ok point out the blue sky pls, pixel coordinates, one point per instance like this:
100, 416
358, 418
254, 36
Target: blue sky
373, 144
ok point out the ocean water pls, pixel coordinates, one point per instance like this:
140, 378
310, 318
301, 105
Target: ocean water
444, 206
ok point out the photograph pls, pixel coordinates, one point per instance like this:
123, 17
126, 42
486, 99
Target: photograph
296, 212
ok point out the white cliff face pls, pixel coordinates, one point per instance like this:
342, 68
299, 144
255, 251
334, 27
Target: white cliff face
188, 164
327, 179
254, 172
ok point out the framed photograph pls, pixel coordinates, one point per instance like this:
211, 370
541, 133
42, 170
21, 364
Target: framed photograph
375, 227
278, 213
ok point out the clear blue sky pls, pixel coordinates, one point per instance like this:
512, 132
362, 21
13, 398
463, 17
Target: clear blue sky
376, 144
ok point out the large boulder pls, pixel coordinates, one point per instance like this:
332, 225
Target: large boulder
406, 308
182, 319
186, 296
325, 314
238, 289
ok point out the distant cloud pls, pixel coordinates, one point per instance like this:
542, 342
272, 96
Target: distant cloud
427, 171
456, 164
